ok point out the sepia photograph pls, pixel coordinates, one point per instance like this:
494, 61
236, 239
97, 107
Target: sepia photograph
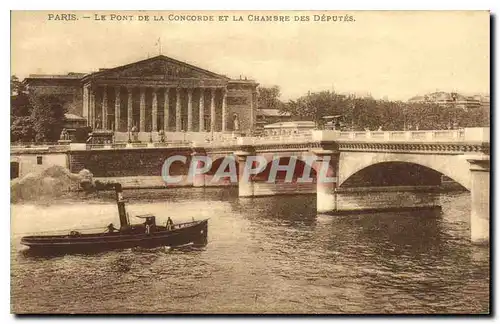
250, 162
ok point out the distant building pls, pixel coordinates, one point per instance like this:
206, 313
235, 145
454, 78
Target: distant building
270, 116
289, 128
457, 100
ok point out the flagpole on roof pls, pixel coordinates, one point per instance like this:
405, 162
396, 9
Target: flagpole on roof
159, 45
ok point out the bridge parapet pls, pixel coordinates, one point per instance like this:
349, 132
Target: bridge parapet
285, 139
425, 136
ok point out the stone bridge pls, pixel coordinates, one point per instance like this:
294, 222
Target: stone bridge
401, 159
384, 160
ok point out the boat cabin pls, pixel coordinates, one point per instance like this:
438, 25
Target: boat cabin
148, 219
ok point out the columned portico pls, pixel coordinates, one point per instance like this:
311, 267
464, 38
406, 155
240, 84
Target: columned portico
150, 103
140, 96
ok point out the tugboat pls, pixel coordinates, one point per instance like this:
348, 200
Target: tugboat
145, 235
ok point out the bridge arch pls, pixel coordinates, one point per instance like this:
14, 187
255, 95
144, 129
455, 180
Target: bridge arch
301, 167
455, 167
220, 172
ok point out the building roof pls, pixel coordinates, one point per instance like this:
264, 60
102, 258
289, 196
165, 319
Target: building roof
448, 96
163, 58
271, 113
160, 61
71, 75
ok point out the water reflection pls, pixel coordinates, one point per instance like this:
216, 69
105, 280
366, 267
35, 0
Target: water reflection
269, 254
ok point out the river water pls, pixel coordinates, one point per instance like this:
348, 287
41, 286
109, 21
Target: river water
264, 255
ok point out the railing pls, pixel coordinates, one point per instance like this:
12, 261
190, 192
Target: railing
430, 136
458, 135
138, 145
49, 147
281, 139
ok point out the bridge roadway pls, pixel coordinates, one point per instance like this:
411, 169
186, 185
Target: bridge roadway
462, 155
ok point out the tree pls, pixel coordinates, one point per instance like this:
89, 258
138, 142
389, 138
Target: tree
21, 128
315, 106
47, 117
20, 105
16, 86
268, 98
360, 113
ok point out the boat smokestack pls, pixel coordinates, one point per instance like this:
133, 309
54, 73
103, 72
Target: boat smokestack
121, 206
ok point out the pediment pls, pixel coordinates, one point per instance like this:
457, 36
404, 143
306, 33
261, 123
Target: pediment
159, 68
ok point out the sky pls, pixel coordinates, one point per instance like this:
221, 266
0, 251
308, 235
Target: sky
395, 55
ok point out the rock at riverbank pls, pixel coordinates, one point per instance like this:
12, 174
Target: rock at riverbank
49, 183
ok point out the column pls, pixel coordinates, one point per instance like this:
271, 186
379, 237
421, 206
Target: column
245, 184
325, 167
202, 110
92, 108
165, 110
86, 110
480, 199
105, 108
212, 110
142, 110
224, 113
154, 108
130, 120
117, 108
190, 110
178, 110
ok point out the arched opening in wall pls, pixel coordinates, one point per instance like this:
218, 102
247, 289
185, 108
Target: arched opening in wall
224, 166
300, 171
388, 174
14, 170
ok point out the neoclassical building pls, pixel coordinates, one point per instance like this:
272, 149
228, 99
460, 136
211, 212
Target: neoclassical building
154, 94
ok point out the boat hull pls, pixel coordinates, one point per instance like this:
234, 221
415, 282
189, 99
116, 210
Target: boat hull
195, 233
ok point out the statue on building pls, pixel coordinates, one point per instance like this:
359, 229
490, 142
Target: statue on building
135, 134
63, 134
236, 123
161, 134
97, 123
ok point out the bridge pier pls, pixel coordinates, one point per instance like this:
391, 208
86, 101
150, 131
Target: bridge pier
480, 199
245, 186
326, 167
198, 179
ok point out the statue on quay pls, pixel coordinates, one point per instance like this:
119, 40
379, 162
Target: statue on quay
64, 134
